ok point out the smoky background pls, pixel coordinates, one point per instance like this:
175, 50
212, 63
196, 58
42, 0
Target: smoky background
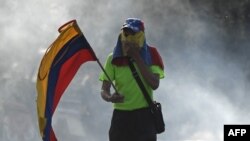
204, 45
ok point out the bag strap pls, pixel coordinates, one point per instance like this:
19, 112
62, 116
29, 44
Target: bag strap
139, 82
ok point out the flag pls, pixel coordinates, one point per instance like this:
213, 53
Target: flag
57, 68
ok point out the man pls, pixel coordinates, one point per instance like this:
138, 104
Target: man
131, 119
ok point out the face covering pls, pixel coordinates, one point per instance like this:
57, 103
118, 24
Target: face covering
137, 38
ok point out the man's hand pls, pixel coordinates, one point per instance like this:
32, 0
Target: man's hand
116, 98
105, 93
133, 49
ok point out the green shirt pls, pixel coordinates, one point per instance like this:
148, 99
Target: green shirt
127, 85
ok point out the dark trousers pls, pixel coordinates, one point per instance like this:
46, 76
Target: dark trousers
134, 125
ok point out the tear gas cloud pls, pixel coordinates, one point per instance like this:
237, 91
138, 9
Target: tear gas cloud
203, 44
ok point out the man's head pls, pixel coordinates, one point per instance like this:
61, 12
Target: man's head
133, 24
132, 32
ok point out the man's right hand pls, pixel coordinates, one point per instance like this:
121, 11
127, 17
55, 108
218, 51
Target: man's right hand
116, 98
105, 93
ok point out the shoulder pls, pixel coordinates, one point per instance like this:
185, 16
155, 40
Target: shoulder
154, 51
156, 57
109, 57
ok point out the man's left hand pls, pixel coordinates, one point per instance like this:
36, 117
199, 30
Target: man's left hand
133, 50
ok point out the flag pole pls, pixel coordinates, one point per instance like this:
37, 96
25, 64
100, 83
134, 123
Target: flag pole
106, 75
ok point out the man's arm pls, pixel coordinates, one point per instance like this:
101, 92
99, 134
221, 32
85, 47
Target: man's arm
105, 93
152, 79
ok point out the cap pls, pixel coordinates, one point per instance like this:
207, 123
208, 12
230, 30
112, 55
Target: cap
134, 24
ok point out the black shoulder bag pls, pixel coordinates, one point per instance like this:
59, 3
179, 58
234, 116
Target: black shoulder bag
154, 106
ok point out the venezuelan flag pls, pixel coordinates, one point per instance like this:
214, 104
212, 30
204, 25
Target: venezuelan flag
58, 67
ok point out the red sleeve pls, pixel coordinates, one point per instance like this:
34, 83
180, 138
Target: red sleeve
156, 58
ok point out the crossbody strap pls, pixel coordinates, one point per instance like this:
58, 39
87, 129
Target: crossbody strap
139, 82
